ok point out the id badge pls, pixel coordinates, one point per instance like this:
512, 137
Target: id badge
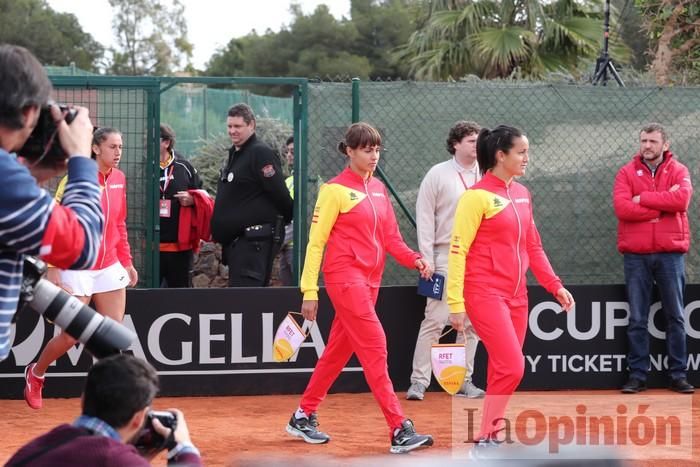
165, 208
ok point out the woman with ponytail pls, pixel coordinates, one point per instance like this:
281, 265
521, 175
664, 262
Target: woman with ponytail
494, 242
354, 222
105, 284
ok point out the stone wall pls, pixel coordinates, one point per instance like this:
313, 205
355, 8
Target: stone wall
208, 272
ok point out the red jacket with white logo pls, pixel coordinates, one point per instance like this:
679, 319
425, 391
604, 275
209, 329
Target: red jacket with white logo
114, 245
659, 222
355, 220
494, 242
115, 241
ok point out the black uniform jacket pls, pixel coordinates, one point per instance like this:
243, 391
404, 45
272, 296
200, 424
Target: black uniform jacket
250, 191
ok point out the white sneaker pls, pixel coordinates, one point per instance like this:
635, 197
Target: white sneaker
485, 448
416, 392
470, 391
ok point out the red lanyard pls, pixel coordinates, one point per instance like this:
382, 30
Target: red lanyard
462, 179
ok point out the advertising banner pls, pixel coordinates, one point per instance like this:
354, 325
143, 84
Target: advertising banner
220, 342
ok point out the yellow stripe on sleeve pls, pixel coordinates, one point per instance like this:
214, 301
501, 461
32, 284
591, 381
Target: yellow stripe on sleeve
60, 189
472, 207
325, 213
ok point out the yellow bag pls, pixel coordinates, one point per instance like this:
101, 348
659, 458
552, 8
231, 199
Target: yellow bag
288, 338
449, 365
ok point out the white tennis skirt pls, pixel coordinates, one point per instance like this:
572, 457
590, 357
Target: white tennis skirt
87, 283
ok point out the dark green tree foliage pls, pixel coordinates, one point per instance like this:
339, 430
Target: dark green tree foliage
324, 45
496, 38
228, 61
151, 36
214, 150
54, 38
629, 27
319, 45
382, 27
673, 27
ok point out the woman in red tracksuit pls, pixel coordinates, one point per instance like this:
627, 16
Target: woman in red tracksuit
355, 221
494, 241
106, 282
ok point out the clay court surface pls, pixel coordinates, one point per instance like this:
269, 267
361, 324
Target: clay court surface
247, 429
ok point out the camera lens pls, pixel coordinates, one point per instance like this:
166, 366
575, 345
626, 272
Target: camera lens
101, 335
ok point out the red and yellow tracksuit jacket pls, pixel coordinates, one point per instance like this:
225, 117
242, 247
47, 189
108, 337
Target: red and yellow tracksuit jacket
659, 222
354, 218
494, 241
115, 240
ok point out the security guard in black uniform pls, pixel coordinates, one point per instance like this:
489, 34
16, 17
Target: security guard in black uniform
252, 204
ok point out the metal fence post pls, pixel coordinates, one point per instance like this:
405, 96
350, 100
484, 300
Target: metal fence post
152, 260
380, 171
355, 100
301, 232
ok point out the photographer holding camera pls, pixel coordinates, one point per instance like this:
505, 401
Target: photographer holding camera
31, 223
115, 418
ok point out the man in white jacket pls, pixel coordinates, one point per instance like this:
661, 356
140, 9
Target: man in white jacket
438, 195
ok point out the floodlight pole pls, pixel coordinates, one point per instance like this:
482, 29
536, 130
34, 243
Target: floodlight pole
604, 63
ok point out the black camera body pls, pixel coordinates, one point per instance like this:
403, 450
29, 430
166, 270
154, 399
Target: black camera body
43, 145
101, 335
149, 442
33, 271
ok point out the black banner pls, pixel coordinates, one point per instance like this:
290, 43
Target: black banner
219, 342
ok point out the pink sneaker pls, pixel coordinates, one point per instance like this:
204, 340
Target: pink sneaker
33, 387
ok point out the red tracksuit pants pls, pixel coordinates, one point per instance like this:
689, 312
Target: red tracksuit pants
501, 324
356, 328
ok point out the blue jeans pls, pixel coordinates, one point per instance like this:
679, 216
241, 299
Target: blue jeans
667, 271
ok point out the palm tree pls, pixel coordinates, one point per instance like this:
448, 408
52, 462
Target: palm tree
494, 38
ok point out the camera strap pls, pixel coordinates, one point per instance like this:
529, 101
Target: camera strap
169, 444
45, 449
47, 148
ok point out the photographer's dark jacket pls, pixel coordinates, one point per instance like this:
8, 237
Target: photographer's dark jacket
72, 445
251, 191
31, 223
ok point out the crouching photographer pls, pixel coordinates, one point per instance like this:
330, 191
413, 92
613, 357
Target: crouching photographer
37, 142
117, 427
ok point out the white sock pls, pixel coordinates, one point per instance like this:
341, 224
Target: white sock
300, 414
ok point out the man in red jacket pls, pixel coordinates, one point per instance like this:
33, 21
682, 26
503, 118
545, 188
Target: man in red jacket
651, 196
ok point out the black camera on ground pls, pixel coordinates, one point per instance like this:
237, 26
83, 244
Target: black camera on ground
43, 145
101, 335
149, 442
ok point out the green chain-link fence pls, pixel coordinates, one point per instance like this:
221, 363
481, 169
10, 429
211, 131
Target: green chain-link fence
195, 110
198, 112
131, 106
579, 137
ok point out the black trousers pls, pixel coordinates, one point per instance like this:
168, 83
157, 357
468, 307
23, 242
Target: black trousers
176, 269
250, 261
